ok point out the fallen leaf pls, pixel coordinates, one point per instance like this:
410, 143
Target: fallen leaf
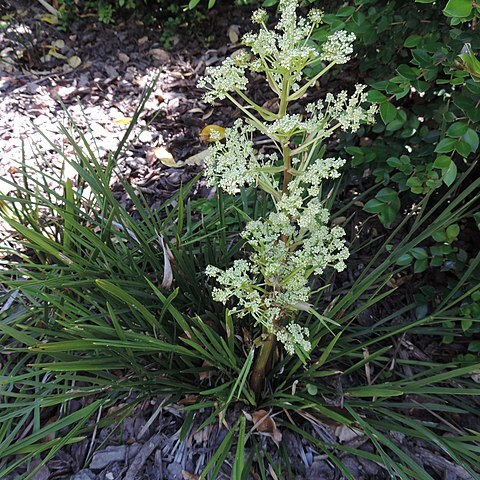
189, 476
74, 61
204, 374
58, 44
233, 33
51, 19
56, 54
160, 54
272, 472
264, 423
165, 157
122, 121
338, 220
188, 400
212, 133
116, 410
197, 159
208, 114
167, 264
50, 436
345, 434
201, 436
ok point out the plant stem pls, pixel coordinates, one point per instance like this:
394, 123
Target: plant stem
263, 363
264, 358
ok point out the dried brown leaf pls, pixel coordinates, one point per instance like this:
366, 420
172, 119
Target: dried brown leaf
160, 54
338, 220
189, 476
264, 423
167, 264
165, 157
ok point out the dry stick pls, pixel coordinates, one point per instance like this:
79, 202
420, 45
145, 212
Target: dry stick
142, 456
152, 418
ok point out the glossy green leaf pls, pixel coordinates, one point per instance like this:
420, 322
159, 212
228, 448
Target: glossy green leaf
405, 259
452, 232
457, 129
412, 41
446, 145
471, 137
420, 265
470, 62
439, 236
375, 96
388, 112
388, 215
419, 253
373, 206
442, 161
458, 8
449, 174
463, 148
387, 195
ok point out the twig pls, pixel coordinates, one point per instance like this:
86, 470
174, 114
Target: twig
152, 418
142, 456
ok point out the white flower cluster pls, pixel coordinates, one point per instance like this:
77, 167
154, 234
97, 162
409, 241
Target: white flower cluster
276, 278
234, 280
287, 125
344, 110
286, 48
316, 15
232, 164
294, 334
347, 109
321, 169
338, 47
218, 81
294, 241
259, 16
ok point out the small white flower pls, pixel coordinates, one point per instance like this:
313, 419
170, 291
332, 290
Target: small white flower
232, 164
226, 78
259, 16
292, 335
338, 47
348, 111
320, 170
316, 15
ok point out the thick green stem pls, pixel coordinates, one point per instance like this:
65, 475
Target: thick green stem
263, 363
287, 162
264, 358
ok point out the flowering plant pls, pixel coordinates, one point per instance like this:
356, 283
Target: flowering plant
294, 241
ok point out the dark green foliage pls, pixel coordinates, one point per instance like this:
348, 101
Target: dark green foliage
428, 100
